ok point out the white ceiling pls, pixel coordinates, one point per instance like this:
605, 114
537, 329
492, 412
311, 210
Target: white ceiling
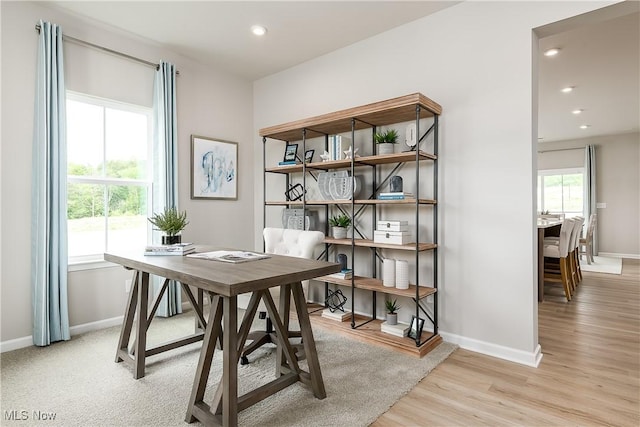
601, 60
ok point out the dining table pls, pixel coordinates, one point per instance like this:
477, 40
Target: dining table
546, 227
224, 282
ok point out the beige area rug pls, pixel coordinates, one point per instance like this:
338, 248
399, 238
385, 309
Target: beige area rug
78, 384
602, 265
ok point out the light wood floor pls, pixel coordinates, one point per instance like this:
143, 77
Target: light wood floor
589, 374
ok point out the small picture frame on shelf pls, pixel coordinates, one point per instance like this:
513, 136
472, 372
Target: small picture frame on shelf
415, 331
308, 155
290, 152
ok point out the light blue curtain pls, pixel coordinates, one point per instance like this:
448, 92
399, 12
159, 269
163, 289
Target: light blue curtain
590, 187
49, 194
165, 183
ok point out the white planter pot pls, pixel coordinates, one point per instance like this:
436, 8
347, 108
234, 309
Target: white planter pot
339, 232
385, 148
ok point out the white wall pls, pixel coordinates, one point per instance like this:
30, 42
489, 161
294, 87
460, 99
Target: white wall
617, 185
210, 103
475, 59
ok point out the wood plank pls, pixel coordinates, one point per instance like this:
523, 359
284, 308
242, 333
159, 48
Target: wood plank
589, 375
396, 110
380, 159
373, 284
371, 244
371, 334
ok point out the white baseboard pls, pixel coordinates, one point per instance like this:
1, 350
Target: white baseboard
518, 356
24, 342
617, 255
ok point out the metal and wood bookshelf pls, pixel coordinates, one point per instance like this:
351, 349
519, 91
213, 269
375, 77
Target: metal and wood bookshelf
409, 108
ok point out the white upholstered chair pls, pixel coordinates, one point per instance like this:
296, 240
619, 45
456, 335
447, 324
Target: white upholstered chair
586, 242
558, 251
279, 241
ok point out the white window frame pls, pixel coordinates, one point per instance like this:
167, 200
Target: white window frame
87, 262
550, 172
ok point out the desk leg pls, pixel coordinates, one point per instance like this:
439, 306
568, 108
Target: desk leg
129, 316
317, 383
196, 405
284, 309
540, 264
141, 327
230, 362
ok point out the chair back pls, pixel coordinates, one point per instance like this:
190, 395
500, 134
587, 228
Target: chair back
578, 222
566, 230
593, 219
296, 243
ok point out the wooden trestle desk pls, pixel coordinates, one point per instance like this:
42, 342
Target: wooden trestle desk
224, 282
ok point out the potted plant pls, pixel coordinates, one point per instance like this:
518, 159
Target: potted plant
339, 225
386, 140
171, 223
392, 308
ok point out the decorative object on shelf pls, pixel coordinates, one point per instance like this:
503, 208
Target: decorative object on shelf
300, 219
290, 153
399, 329
386, 140
342, 260
295, 192
335, 300
410, 137
395, 196
325, 156
349, 154
395, 185
393, 225
402, 274
415, 329
213, 169
171, 223
308, 155
391, 237
392, 307
336, 145
338, 185
389, 272
339, 225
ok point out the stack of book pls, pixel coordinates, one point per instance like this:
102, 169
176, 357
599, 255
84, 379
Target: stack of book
344, 274
397, 195
399, 329
177, 249
338, 315
338, 144
289, 162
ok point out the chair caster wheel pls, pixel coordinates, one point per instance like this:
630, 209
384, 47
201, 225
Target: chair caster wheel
244, 360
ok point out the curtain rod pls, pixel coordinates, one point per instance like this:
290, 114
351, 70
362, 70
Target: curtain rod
561, 149
106, 49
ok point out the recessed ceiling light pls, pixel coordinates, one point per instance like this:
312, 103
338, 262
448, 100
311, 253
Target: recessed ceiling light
567, 89
552, 52
585, 126
258, 30
577, 111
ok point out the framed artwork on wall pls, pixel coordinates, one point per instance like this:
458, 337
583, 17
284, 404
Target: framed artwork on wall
214, 168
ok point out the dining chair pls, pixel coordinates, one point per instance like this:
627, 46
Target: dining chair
586, 242
574, 247
556, 254
289, 242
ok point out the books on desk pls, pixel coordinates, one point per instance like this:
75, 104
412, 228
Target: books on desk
177, 249
230, 256
396, 195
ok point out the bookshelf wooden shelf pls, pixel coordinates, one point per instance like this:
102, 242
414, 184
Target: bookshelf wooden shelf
415, 108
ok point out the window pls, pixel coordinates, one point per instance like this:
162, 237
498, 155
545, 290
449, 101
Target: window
561, 191
109, 160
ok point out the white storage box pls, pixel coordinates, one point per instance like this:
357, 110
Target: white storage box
392, 237
393, 226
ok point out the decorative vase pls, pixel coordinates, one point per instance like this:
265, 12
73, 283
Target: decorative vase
389, 272
385, 148
402, 274
339, 232
392, 319
171, 240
